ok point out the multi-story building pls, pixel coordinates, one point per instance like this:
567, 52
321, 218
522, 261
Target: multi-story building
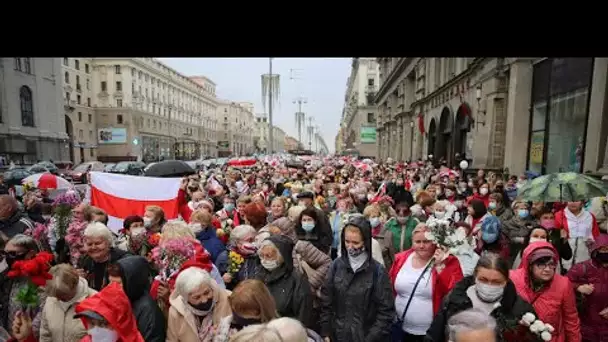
338, 143
236, 121
209, 126
359, 112
516, 113
292, 143
32, 123
146, 110
278, 136
80, 119
261, 136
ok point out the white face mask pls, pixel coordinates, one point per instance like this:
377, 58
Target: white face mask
103, 335
270, 265
535, 239
489, 293
147, 222
483, 191
439, 214
138, 231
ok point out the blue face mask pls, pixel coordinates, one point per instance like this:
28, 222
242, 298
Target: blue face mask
492, 205
229, 206
523, 213
374, 221
308, 226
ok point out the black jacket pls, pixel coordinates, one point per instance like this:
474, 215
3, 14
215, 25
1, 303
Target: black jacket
16, 224
399, 194
290, 290
150, 320
357, 306
35, 213
91, 267
512, 308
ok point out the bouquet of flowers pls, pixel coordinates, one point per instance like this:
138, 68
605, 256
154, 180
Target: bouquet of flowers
235, 262
58, 226
223, 233
538, 327
36, 271
40, 233
445, 235
170, 255
75, 240
29, 186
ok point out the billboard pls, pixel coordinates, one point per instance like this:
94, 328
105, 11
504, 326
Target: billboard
368, 135
112, 136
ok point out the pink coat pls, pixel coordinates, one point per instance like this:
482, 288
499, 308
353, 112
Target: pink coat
555, 304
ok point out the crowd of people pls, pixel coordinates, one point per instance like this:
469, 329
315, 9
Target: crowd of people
332, 251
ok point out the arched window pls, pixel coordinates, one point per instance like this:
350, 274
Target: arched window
27, 106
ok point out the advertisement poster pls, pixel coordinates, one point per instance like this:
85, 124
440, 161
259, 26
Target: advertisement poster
112, 135
368, 135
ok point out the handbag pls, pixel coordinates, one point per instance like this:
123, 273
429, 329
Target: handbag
397, 333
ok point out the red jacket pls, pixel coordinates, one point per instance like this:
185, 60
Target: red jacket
555, 304
562, 223
443, 282
113, 304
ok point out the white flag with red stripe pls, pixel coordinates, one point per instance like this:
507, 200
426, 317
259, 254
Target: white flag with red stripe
121, 196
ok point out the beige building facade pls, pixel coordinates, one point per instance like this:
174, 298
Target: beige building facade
32, 122
236, 128
261, 136
359, 115
512, 114
292, 143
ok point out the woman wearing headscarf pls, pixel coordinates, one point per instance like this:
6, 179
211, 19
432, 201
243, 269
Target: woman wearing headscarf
550, 293
356, 300
197, 307
310, 228
242, 242
518, 226
589, 280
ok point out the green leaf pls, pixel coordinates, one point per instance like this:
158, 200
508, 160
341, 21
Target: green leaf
28, 295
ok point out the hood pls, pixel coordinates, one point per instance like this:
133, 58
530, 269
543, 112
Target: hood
365, 228
113, 304
600, 241
530, 249
286, 226
135, 273
285, 246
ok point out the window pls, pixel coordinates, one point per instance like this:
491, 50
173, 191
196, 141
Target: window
27, 106
371, 118
88, 84
86, 68
78, 99
132, 72
67, 96
90, 134
66, 62
77, 64
104, 86
77, 82
66, 77
92, 152
89, 101
132, 88
118, 86
117, 69
370, 82
118, 102
119, 119
90, 118
79, 116
27, 65
80, 134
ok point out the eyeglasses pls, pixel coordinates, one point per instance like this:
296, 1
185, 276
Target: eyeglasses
550, 265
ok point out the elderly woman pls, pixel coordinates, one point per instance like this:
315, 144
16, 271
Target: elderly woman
241, 242
154, 218
518, 226
200, 222
251, 303
290, 290
278, 209
471, 325
64, 291
197, 307
421, 277
374, 215
100, 253
278, 330
356, 300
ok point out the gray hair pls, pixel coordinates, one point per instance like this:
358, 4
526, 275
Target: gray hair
99, 230
240, 232
26, 242
469, 320
190, 279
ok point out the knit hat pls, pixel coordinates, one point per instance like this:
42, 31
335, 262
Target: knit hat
541, 253
490, 229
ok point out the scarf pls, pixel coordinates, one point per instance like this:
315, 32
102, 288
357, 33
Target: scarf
205, 330
81, 289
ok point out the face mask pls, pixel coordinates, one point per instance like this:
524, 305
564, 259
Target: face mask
449, 193
471, 185
99, 334
330, 193
602, 257
523, 213
241, 322
399, 183
492, 205
248, 248
439, 214
11, 258
547, 224
147, 222
308, 226
270, 265
355, 252
369, 197
302, 204
458, 204
265, 188
374, 221
294, 197
229, 206
204, 306
3, 265
489, 293
138, 231
401, 219
483, 191
535, 239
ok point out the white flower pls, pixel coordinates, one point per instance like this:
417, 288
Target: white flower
460, 234
546, 336
537, 327
529, 318
229, 222
429, 236
549, 328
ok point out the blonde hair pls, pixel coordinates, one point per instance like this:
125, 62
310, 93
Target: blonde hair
278, 330
251, 297
175, 230
421, 228
371, 210
280, 199
201, 216
99, 230
294, 212
157, 211
64, 282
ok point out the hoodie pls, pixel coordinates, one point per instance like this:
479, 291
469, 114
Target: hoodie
113, 305
555, 302
150, 320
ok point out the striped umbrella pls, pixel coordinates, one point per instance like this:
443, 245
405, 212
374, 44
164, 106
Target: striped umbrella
47, 181
562, 187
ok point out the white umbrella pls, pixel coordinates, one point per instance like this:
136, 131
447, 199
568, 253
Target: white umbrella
47, 181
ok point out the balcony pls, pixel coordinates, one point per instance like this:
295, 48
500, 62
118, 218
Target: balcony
69, 104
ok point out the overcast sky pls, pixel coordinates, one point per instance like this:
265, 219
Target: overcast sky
322, 81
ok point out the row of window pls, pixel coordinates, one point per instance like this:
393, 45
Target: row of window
66, 62
23, 64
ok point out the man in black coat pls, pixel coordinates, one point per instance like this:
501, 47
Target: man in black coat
133, 273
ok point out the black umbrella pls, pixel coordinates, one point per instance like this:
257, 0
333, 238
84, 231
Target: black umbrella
170, 168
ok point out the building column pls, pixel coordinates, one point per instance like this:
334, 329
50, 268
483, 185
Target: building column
518, 116
597, 121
